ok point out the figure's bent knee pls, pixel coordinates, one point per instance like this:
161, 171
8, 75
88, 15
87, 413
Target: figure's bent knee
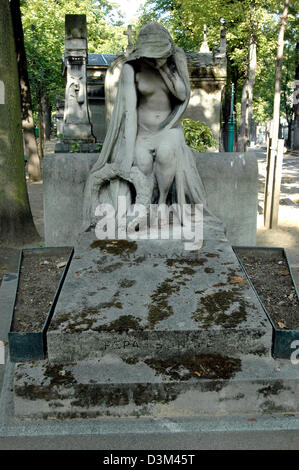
169, 146
144, 161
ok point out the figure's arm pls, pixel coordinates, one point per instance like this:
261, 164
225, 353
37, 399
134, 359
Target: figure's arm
172, 78
130, 97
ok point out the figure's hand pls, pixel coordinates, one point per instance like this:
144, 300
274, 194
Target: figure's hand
124, 169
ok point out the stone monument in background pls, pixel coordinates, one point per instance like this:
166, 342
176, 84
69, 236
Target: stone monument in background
76, 122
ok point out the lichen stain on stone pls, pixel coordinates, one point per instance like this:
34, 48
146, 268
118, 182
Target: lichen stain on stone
269, 406
143, 394
272, 389
115, 247
112, 304
139, 260
175, 262
126, 283
184, 266
205, 366
58, 377
110, 268
209, 270
212, 255
212, 309
87, 396
123, 323
220, 284
85, 320
159, 309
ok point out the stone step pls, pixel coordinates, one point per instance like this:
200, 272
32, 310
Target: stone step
196, 386
148, 299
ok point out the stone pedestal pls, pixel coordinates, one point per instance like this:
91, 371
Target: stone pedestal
207, 72
230, 180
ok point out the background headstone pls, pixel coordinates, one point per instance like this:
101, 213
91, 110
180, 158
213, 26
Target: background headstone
77, 124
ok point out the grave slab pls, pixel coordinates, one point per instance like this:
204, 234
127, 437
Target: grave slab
147, 298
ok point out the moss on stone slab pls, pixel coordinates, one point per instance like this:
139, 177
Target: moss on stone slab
213, 309
115, 247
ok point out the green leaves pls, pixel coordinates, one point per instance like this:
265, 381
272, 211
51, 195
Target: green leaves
198, 135
244, 19
43, 25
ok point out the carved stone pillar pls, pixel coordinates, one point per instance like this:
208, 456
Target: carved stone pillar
77, 126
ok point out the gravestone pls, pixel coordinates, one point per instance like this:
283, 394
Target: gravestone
76, 122
130, 34
208, 72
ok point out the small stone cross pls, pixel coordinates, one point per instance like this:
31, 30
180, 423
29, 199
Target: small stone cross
205, 46
130, 33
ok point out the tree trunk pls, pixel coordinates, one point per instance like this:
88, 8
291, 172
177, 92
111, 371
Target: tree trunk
271, 218
16, 222
46, 117
296, 103
247, 96
33, 167
289, 139
278, 74
40, 128
241, 145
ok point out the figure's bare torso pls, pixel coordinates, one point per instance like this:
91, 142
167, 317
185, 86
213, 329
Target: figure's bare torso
154, 98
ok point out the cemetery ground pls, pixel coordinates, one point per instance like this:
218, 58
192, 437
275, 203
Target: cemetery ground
286, 235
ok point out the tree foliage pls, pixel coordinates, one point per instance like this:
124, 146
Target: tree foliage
44, 30
185, 20
198, 135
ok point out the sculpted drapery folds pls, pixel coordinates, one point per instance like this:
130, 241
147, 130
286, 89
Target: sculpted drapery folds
144, 151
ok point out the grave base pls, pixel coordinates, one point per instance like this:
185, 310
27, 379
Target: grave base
113, 388
145, 328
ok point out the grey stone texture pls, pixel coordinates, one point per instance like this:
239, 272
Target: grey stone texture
112, 388
230, 180
64, 177
146, 329
141, 298
76, 121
